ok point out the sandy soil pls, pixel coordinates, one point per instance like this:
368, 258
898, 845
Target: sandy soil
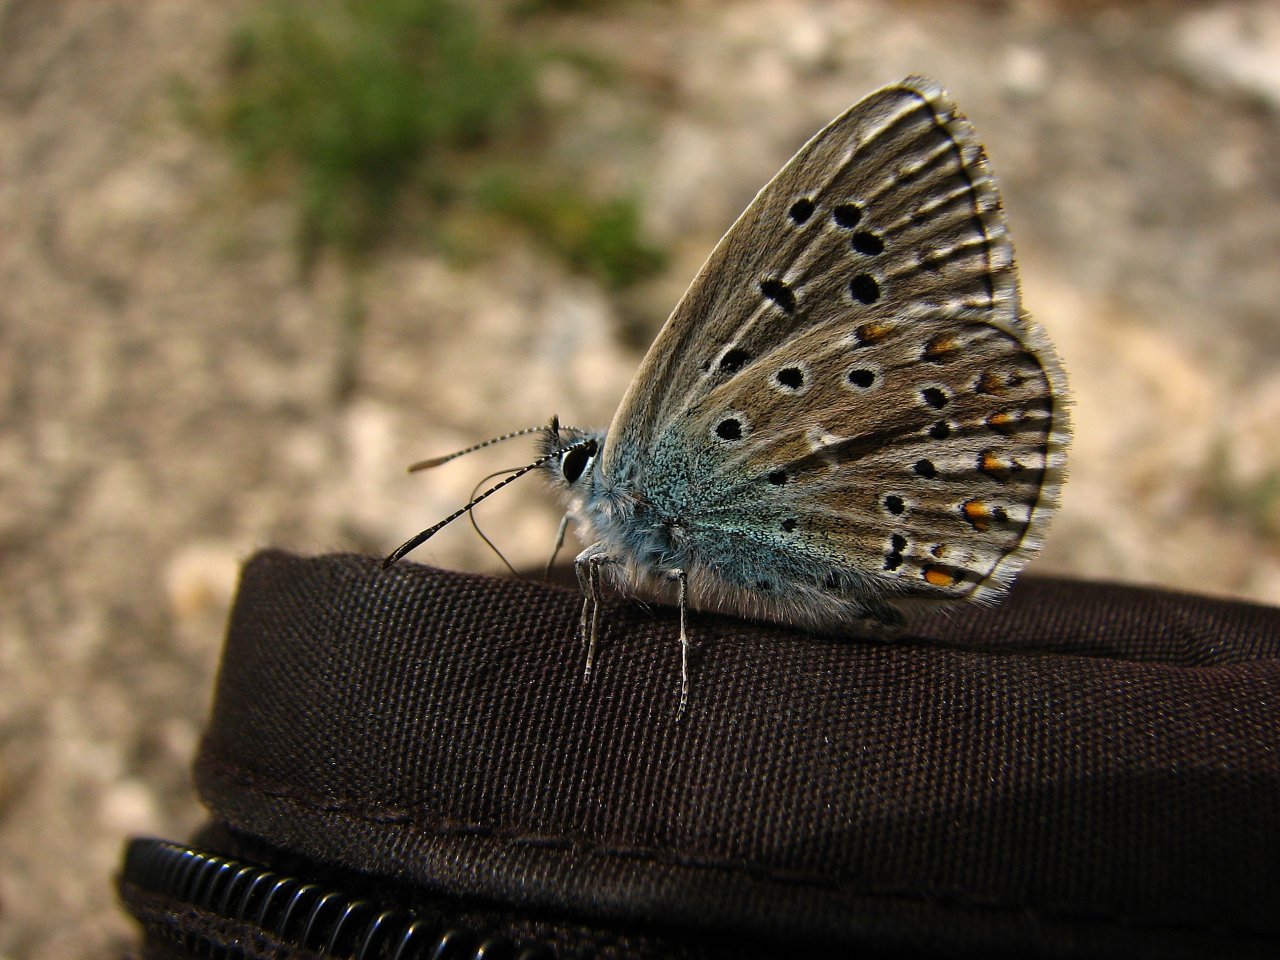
168, 383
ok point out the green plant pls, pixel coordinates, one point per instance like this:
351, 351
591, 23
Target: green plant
353, 105
390, 118
601, 238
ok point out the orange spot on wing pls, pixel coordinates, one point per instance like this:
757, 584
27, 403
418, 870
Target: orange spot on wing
941, 348
869, 333
937, 577
1002, 421
992, 465
977, 513
991, 383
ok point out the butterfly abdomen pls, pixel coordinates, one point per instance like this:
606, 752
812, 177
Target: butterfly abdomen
759, 562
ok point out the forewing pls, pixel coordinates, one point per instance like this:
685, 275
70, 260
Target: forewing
851, 375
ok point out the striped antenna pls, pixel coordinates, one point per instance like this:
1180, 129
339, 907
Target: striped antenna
414, 542
436, 461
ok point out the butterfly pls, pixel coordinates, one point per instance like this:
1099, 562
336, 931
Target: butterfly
847, 416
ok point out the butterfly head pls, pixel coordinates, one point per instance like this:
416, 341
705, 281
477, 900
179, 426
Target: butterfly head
573, 457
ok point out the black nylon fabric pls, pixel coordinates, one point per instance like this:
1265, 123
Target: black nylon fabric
1086, 770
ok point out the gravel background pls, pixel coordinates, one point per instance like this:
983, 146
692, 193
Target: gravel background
168, 384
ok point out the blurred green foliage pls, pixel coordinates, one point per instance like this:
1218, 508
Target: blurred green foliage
1251, 497
380, 118
593, 237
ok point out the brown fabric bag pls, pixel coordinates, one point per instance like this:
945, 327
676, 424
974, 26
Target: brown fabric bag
1087, 770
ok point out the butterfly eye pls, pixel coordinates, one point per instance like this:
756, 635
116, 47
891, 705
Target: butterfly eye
576, 460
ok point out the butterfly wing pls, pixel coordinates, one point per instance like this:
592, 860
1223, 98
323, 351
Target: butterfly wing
850, 381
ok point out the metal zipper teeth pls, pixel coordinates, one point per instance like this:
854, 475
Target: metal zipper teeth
304, 914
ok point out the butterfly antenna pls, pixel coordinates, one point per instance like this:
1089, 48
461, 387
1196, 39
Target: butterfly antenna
436, 461
475, 524
414, 542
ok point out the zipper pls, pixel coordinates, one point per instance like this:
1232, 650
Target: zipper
305, 915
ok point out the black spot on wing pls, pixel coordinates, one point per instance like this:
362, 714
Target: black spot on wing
779, 293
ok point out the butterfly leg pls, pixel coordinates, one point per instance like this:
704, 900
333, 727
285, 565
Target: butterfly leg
555, 551
582, 567
587, 566
682, 581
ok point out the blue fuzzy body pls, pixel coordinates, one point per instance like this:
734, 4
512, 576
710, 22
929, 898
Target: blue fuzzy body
654, 518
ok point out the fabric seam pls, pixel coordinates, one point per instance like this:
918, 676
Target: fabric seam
361, 813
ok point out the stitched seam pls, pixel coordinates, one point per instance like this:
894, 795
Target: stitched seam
664, 857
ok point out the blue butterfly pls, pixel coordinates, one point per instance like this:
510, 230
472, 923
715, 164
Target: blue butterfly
847, 415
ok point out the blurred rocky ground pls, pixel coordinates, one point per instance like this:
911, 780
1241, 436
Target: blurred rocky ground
174, 395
